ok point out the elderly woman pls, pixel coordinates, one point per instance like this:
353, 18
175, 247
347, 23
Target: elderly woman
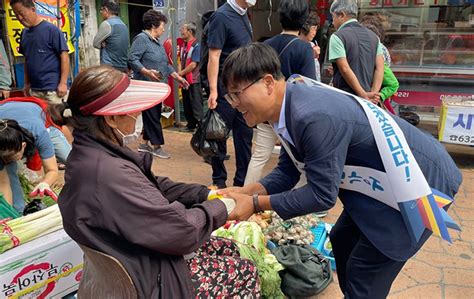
27, 132
113, 203
149, 62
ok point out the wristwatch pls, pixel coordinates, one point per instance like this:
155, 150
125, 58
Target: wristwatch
256, 206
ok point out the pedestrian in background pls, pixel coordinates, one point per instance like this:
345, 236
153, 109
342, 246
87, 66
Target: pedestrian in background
149, 62
355, 53
308, 33
112, 38
5, 73
46, 54
190, 58
296, 57
229, 29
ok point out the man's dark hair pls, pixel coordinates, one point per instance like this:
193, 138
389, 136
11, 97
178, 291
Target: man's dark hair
112, 7
312, 20
293, 14
25, 3
153, 18
250, 63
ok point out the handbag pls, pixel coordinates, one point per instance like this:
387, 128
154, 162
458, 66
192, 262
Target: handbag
307, 272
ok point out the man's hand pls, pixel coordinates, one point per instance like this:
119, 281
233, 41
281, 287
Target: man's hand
26, 89
225, 191
43, 189
373, 96
62, 90
5, 93
243, 206
212, 100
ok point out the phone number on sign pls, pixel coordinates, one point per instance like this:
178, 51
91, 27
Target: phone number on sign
462, 138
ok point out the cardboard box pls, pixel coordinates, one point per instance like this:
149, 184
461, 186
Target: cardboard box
48, 267
457, 122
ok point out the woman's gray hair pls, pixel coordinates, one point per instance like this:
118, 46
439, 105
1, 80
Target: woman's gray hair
349, 7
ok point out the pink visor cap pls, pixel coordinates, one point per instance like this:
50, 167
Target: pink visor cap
128, 96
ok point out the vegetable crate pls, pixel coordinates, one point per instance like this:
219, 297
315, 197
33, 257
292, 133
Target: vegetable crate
321, 236
47, 267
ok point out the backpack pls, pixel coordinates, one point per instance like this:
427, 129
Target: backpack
307, 272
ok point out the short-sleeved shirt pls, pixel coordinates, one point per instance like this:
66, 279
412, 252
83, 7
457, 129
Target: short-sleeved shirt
42, 46
297, 58
228, 31
336, 46
31, 117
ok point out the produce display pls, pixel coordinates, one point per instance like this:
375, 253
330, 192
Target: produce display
24, 229
251, 242
6, 210
294, 231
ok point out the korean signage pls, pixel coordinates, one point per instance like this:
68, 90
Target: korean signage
48, 267
401, 3
426, 98
457, 124
47, 10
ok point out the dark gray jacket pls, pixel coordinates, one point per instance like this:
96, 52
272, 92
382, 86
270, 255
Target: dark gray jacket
113, 203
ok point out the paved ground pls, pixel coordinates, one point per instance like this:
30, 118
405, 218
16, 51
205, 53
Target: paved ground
439, 270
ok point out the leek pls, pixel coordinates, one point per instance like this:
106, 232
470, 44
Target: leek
30, 227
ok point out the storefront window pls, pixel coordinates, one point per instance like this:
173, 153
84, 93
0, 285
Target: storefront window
427, 33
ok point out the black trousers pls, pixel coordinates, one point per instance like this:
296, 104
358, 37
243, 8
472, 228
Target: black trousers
242, 135
153, 131
362, 270
192, 102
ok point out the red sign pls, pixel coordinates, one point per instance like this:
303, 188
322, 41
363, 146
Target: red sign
401, 3
422, 98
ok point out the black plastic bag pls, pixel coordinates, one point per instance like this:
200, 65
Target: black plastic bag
215, 126
203, 147
34, 206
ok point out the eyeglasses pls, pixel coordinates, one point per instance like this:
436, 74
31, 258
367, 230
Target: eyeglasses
233, 97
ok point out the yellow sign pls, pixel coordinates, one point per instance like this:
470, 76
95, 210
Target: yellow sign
45, 11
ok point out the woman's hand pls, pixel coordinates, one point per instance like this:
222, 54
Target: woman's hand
153, 75
183, 82
43, 189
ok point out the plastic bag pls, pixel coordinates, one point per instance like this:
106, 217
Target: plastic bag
203, 147
215, 126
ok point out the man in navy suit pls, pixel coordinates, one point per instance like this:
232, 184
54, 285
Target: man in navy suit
325, 130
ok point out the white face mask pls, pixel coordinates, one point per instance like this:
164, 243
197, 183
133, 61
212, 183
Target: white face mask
131, 138
251, 3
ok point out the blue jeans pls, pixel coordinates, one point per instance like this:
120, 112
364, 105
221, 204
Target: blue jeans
62, 148
15, 185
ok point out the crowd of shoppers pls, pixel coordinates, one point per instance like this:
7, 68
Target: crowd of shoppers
254, 87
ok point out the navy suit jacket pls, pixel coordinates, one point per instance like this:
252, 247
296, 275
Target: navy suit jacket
330, 130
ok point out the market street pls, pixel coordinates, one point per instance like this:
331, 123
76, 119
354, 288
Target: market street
439, 269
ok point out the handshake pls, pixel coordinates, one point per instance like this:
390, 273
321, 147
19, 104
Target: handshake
241, 202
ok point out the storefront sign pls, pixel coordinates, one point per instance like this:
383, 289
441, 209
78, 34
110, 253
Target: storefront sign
425, 98
47, 10
401, 3
457, 124
48, 267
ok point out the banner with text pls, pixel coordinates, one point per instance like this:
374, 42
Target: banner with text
47, 10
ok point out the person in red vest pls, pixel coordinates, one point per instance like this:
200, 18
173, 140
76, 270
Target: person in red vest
190, 58
28, 132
